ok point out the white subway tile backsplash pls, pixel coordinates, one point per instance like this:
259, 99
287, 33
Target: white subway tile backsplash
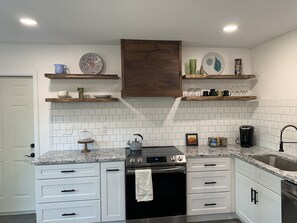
163, 121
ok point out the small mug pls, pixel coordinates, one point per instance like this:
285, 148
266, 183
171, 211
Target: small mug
226, 93
205, 93
61, 69
213, 92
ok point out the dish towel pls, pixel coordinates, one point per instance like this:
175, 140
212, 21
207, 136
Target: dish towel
143, 185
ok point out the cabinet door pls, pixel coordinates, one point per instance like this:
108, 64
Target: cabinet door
270, 207
245, 208
113, 191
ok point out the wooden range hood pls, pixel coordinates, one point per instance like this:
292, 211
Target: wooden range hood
151, 68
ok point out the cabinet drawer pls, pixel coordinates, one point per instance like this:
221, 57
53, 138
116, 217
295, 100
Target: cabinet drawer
209, 203
208, 164
74, 212
200, 182
246, 169
67, 170
67, 189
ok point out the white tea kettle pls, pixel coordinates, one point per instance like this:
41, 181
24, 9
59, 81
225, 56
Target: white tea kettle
136, 144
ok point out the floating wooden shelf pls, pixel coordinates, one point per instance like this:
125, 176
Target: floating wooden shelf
81, 76
81, 99
223, 76
218, 98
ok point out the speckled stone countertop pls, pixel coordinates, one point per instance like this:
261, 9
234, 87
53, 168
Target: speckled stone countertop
118, 154
76, 156
242, 154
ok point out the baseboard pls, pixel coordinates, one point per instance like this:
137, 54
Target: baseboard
17, 213
211, 217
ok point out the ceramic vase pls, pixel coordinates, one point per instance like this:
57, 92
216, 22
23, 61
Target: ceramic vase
193, 66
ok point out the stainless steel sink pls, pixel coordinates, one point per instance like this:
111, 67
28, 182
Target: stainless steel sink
276, 161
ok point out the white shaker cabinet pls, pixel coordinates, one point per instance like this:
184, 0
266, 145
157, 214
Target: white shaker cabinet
68, 193
208, 186
113, 191
258, 194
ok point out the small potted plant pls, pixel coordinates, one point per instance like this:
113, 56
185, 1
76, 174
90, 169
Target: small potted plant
81, 91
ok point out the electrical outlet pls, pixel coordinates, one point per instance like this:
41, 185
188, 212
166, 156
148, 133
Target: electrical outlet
68, 130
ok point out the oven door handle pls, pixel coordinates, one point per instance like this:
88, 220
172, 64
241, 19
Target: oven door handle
158, 170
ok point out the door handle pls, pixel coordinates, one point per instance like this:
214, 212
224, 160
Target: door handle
113, 170
32, 155
255, 197
252, 195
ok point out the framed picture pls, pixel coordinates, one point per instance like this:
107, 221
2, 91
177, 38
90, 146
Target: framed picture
192, 139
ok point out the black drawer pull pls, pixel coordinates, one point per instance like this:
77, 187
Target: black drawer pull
211, 164
65, 191
67, 171
211, 204
68, 214
213, 182
255, 197
252, 195
113, 170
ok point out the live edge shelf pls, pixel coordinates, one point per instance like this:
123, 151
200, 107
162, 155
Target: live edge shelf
81, 99
219, 98
222, 76
81, 76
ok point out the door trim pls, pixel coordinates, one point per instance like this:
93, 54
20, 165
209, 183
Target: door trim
33, 74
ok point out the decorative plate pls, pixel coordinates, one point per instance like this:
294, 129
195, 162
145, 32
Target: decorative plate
213, 63
91, 63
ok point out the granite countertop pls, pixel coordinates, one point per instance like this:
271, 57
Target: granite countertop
118, 154
242, 154
76, 156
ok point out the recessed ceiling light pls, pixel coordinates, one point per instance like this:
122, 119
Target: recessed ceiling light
28, 21
230, 28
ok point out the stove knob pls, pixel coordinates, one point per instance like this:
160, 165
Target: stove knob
132, 160
180, 158
139, 160
172, 159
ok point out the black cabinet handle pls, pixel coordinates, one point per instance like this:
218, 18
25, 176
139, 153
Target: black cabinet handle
255, 197
212, 182
68, 214
211, 164
65, 191
67, 171
113, 170
211, 204
252, 195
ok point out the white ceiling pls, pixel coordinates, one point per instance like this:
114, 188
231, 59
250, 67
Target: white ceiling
195, 22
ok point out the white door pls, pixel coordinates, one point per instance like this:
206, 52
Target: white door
16, 135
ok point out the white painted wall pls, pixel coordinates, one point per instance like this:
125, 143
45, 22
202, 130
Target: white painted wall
40, 59
275, 64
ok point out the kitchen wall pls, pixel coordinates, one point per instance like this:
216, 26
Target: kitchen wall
162, 121
274, 63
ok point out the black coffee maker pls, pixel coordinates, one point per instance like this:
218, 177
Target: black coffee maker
246, 136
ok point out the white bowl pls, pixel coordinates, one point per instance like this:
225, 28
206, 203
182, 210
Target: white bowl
62, 94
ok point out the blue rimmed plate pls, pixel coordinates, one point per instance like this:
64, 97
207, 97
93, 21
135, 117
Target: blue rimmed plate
213, 63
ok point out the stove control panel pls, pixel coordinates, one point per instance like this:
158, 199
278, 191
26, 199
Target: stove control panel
155, 160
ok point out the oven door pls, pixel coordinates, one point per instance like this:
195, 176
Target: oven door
169, 189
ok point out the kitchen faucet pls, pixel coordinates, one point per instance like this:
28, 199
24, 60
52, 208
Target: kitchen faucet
281, 137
